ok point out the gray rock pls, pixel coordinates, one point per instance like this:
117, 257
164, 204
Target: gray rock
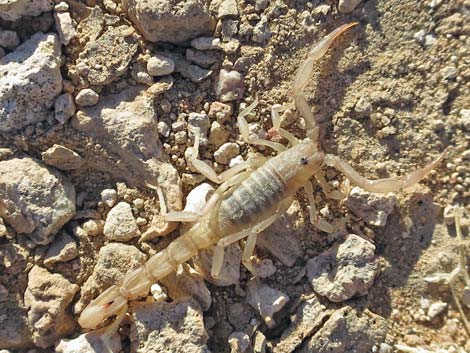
199, 124
228, 8
65, 27
261, 32
230, 273
64, 108
62, 249
229, 86
207, 43
192, 72
105, 59
347, 6
226, 152
159, 21
87, 97
266, 300
114, 261
168, 328
363, 106
120, 223
203, 59
62, 157
124, 124
91, 342
9, 39
30, 80
308, 318
345, 270
12, 10
348, 330
109, 197
371, 207
47, 297
35, 200
159, 65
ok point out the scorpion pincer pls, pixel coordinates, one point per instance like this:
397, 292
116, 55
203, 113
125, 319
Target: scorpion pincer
251, 196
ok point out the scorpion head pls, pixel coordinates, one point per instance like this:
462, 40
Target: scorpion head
299, 163
109, 303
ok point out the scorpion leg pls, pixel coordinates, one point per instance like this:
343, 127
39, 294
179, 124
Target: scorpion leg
245, 131
381, 185
275, 110
319, 223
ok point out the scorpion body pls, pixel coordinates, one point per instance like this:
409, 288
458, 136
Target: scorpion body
251, 196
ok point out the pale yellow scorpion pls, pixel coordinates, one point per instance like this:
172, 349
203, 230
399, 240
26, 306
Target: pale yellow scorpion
251, 196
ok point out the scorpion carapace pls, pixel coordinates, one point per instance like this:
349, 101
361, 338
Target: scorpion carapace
251, 196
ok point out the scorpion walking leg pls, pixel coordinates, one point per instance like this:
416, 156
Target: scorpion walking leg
381, 185
319, 223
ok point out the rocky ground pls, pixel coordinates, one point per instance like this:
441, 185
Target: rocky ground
100, 100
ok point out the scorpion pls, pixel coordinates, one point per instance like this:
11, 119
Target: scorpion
250, 197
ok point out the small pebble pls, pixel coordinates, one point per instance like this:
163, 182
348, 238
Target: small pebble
87, 97
93, 227
347, 6
206, 43
229, 86
61, 6
64, 108
9, 39
157, 293
109, 197
163, 129
159, 65
419, 36
239, 342
436, 308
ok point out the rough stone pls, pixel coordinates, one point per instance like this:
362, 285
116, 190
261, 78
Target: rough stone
226, 152
191, 72
261, 32
347, 6
109, 197
348, 330
87, 97
363, 106
62, 158
203, 59
199, 124
65, 27
12, 10
105, 59
465, 119
228, 8
239, 342
9, 39
64, 108
266, 300
30, 80
207, 43
124, 124
120, 223
62, 249
371, 207
345, 270
159, 65
229, 86
308, 318
90, 342
173, 21
220, 111
114, 261
168, 328
47, 297
218, 134
34, 199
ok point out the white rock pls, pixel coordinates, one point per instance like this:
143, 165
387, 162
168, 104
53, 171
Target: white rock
30, 80
12, 10
229, 86
165, 328
371, 207
347, 6
159, 65
345, 270
228, 8
226, 152
87, 97
163, 129
234, 161
197, 198
419, 36
157, 293
47, 297
36, 200
436, 308
91, 342
109, 197
120, 223
465, 119
64, 108
9, 39
449, 214
429, 40
65, 27
266, 300
363, 106
61, 6
199, 123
